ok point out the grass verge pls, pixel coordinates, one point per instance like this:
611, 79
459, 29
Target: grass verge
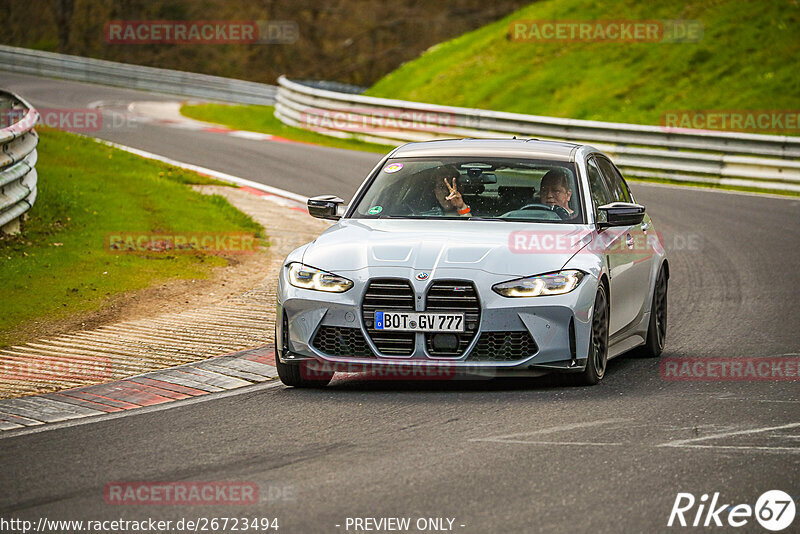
59, 267
262, 119
745, 60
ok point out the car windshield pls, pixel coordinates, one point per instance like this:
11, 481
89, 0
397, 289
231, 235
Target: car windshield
482, 188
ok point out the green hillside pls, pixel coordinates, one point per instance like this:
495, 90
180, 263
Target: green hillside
747, 59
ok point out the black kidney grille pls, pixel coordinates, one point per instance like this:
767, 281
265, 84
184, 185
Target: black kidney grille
503, 347
343, 342
388, 295
454, 296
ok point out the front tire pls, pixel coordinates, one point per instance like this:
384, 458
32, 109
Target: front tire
297, 375
598, 344
657, 327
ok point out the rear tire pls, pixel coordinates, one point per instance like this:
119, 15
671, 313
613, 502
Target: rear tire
598, 344
657, 327
297, 375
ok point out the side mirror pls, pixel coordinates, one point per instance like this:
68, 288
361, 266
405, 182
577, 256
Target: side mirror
621, 214
326, 207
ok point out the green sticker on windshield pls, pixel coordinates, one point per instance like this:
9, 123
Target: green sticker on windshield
374, 210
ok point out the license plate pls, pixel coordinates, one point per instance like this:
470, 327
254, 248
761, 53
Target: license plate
419, 321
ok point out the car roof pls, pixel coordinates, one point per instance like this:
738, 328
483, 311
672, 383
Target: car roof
524, 148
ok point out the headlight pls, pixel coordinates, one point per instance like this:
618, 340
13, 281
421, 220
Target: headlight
544, 284
307, 277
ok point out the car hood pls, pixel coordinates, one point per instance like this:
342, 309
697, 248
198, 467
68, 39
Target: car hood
499, 247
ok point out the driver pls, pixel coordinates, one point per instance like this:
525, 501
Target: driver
556, 191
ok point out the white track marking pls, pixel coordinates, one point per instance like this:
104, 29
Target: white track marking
687, 442
779, 450
757, 400
509, 438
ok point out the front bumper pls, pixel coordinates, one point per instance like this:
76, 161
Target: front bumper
559, 326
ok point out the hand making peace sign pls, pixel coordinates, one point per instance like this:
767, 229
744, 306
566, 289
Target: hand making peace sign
454, 197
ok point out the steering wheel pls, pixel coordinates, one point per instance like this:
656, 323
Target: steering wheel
535, 207
561, 212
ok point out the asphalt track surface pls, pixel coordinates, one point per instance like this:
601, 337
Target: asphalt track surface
497, 456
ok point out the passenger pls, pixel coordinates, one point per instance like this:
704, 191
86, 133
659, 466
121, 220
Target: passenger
448, 192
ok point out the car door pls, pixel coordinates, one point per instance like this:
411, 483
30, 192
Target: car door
610, 240
633, 259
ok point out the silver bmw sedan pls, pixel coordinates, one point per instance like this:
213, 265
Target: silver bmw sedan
475, 257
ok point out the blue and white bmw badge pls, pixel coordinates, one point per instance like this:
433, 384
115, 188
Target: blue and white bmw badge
422, 276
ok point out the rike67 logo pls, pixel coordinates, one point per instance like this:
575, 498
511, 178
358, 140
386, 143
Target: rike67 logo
774, 510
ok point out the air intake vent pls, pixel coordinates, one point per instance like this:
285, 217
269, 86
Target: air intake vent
572, 339
503, 347
388, 295
454, 296
342, 342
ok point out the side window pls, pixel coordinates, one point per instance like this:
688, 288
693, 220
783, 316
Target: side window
625, 190
597, 185
618, 187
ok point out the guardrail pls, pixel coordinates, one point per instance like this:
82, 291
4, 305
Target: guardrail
187, 84
765, 162
17, 160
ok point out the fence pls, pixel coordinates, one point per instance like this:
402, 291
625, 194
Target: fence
17, 160
187, 84
764, 162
